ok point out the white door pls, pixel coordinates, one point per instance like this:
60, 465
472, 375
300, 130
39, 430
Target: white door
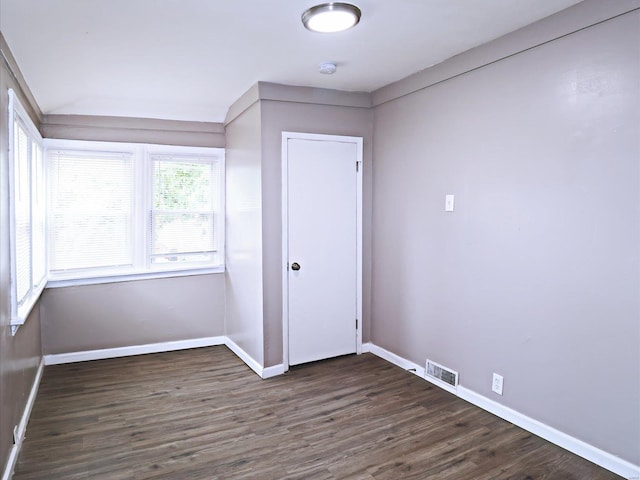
323, 183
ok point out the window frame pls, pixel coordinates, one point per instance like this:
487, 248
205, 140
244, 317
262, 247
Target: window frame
20, 308
195, 156
103, 151
142, 205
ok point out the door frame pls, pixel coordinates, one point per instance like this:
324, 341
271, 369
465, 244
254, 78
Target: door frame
286, 136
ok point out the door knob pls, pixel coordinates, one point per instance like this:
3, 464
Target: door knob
295, 266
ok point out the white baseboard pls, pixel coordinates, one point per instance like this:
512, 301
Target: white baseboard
22, 425
409, 366
396, 360
244, 356
574, 445
366, 347
59, 358
253, 364
589, 452
273, 371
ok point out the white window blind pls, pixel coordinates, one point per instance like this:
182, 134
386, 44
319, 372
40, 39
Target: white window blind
22, 210
38, 216
185, 202
90, 210
26, 212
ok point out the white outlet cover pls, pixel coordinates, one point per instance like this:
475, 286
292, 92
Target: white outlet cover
498, 382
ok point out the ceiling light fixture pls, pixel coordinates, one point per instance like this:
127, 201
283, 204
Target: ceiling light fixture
331, 17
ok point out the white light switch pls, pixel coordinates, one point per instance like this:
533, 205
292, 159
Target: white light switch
448, 203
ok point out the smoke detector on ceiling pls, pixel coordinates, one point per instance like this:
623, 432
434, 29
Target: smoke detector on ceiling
328, 68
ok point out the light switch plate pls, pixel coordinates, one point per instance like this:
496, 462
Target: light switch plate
448, 203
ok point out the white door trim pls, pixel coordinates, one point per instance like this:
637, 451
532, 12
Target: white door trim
285, 233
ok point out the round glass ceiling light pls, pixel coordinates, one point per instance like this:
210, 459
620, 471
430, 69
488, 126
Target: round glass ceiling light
331, 17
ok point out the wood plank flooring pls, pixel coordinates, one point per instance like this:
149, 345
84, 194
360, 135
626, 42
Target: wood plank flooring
202, 414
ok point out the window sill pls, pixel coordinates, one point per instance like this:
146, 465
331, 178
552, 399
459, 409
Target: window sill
74, 282
25, 310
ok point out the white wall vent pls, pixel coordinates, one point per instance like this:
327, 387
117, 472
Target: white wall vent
439, 372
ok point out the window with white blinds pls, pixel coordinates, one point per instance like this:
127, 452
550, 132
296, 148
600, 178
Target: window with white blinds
27, 212
22, 209
183, 214
122, 209
90, 210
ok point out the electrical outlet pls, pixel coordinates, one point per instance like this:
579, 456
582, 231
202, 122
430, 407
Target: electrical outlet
498, 381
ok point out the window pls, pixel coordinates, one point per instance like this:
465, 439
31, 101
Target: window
184, 206
27, 214
133, 210
90, 211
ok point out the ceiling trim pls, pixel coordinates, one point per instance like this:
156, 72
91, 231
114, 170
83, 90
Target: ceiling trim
318, 96
296, 94
242, 104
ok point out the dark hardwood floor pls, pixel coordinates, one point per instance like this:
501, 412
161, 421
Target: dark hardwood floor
202, 414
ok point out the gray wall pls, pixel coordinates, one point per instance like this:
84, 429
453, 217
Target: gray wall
536, 274
91, 317
19, 355
279, 116
144, 311
244, 233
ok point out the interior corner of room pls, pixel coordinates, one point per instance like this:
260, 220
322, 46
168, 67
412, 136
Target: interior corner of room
523, 293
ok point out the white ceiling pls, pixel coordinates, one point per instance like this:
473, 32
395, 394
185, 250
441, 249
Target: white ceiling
191, 59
